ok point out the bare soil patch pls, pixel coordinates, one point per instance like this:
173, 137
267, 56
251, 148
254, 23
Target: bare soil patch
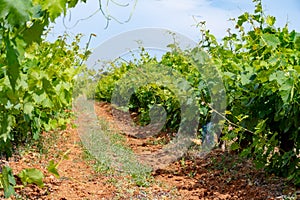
218, 175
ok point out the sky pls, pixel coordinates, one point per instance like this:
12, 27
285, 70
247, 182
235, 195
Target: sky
177, 15
180, 16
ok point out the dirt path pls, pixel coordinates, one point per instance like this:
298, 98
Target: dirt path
77, 179
219, 175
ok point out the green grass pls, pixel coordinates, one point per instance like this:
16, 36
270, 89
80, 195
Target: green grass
112, 155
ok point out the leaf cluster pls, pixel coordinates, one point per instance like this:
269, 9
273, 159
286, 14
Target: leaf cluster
259, 66
36, 77
260, 69
27, 176
180, 66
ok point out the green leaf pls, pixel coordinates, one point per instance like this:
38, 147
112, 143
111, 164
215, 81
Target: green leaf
286, 90
39, 98
270, 40
52, 168
72, 3
199, 56
229, 75
270, 20
7, 123
297, 40
33, 34
28, 108
16, 12
8, 181
245, 79
297, 68
234, 146
246, 152
260, 127
243, 18
278, 76
53, 7
31, 175
13, 71
47, 103
258, 7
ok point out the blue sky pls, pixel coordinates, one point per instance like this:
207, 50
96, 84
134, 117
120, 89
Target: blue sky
177, 15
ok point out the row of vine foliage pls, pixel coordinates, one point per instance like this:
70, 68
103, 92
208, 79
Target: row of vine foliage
260, 69
36, 77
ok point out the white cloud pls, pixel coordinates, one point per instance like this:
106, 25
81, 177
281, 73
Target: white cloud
176, 15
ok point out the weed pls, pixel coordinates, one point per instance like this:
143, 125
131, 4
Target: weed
113, 156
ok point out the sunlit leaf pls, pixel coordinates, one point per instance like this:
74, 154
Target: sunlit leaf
32, 175
270, 20
270, 40
54, 7
28, 108
52, 168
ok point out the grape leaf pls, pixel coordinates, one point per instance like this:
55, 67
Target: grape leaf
245, 79
8, 181
16, 12
52, 168
31, 175
270, 20
72, 3
53, 7
28, 108
270, 40
297, 40
33, 34
13, 71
